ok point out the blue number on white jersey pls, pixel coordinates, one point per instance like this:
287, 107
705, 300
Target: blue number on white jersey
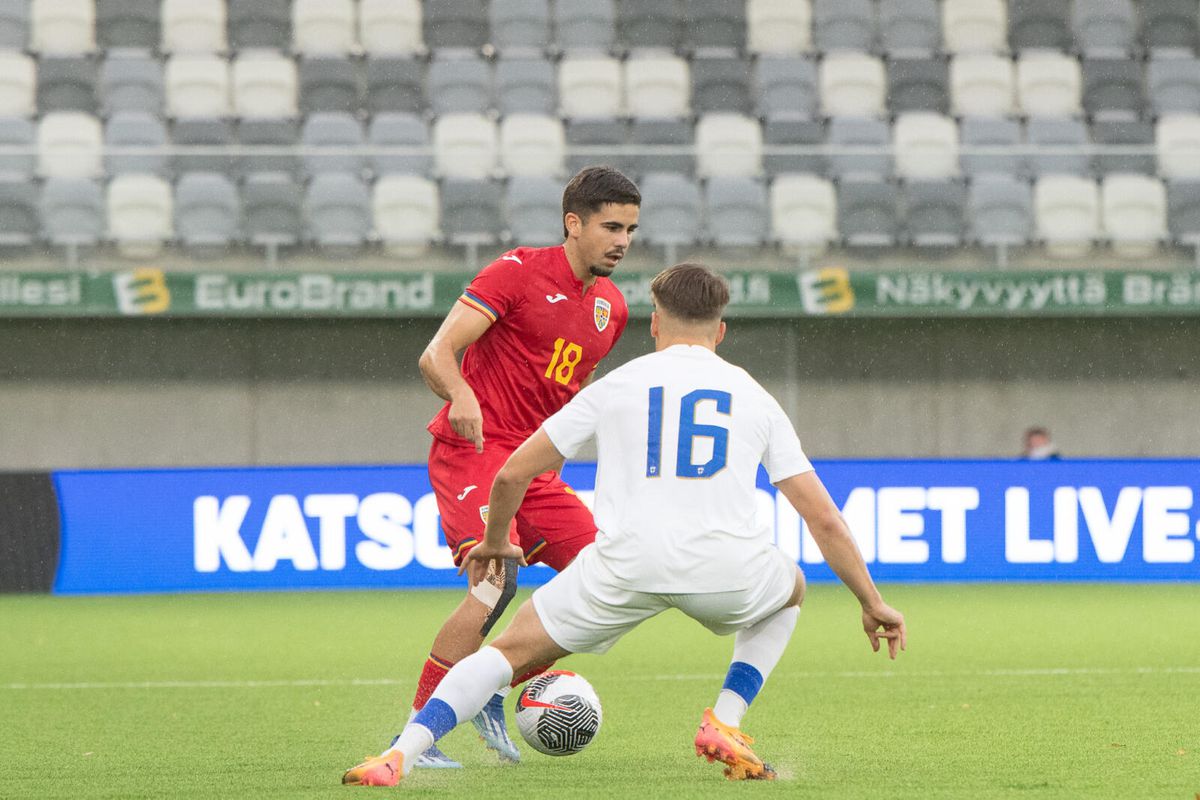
689, 429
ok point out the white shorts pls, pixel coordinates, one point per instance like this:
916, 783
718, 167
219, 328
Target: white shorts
584, 611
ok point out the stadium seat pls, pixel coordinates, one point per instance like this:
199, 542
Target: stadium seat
391, 28
464, 146
844, 25
207, 212
933, 213
18, 82
271, 210
793, 131
779, 27
910, 27
589, 86
526, 85
456, 24
72, 211
260, 23
671, 211
918, 84
264, 85
1068, 136
70, 145
1170, 25
1183, 211
868, 213
1000, 211
728, 145
62, 27
329, 84
398, 129
1049, 84
975, 26
519, 24
341, 135
803, 213
534, 211
991, 132
471, 212
128, 24
135, 129
650, 134
19, 224
532, 145
213, 135
1173, 85
722, 84
197, 86
277, 133
583, 25
405, 211
1134, 214
14, 24
459, 84
852, 84
982, 84
1067, 210
926, 146
395, 84
1104, 27
140, 215
714, 24
323, 28
66, 83
131, 82
608, 133
18, 132
736, 211
649, 23
1039, 24
1112, 88
786, 85
1177, 140
337, 210
194, 26
871, 139
1126, 134
657, 85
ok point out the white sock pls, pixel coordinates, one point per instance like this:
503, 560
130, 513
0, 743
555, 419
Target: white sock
756, 651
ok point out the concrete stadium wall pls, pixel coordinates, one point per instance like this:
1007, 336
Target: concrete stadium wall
127, 393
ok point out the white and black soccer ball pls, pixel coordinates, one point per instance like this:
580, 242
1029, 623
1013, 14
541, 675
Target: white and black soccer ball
558, 713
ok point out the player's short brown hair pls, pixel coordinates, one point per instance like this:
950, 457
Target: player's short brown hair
592, 187
690, 292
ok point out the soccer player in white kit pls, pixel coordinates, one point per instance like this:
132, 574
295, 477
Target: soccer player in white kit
680, 434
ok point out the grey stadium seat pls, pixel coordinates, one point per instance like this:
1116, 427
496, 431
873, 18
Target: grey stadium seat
786, 85
1173, 85
471, 211
1125, 133
260, 23
918, 84
395, 84
271, 209
455, 24
867, 213
1183, 211
597, 133
519, 24
857, 132
786, 131
1170, 24
933, 213
14, 24
714, 23
1104, 26
1039, 24
585, 24
273, 133
72, 211
1001, 210
649, 23
66, 84
17, 132
721, 84
526, 85
991, 132
675, 133
910, 27
534, 206
1058, 133
844, 25
203, 132
335, 130
139, 129
459, 85
131, 82
328, 84
671, 206
19, 224
737, 215
337, 211
207, 210
128, 23
399, 129
1113, 87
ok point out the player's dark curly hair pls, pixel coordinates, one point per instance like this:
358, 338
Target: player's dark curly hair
592, 187
691, 292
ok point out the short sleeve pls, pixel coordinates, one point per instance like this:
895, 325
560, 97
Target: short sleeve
784, 456
573, 425
497, 288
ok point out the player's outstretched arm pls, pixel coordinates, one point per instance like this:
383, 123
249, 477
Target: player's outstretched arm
441, 371
811, 500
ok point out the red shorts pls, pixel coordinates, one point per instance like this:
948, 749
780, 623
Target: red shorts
552, 524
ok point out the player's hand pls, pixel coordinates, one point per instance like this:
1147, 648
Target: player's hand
466, 418
482, 556
884, 622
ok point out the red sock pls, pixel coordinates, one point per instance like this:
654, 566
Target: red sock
431, 675
533, 673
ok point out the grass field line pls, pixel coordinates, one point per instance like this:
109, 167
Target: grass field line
334, 682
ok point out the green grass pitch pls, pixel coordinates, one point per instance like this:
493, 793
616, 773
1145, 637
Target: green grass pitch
1030, 691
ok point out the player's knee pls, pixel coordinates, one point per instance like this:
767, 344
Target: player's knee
798, 591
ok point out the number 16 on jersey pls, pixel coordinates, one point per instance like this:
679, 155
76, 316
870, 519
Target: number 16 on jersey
689, 431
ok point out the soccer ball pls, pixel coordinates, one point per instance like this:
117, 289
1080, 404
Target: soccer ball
558, 713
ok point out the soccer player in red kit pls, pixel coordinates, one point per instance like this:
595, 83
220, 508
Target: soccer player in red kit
534, 324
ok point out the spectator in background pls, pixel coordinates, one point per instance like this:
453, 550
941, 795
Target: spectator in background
1039, 446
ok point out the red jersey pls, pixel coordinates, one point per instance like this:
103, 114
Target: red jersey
547, 336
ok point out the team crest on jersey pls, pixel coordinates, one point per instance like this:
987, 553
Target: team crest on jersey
483, 514
602, 313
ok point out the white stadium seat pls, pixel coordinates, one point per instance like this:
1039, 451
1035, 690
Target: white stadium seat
194, 26
1049, 84
533, 145
974, 26
264, 85
323, 27
926, 146
140, 214
728, 144
1134, 212
390, 27
70, 145
62, 27
803, 213
18, 84
1067, 210
657, 85
1177, 140
982, 84
779, 27
405, 208
589, 86
464, 146
852, 85
197, 86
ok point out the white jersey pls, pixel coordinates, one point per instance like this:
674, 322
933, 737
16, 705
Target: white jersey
680, 434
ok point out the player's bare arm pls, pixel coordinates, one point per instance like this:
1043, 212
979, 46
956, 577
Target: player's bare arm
808, 496
442, 373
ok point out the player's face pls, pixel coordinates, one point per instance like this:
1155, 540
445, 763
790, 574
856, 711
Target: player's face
604, 237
